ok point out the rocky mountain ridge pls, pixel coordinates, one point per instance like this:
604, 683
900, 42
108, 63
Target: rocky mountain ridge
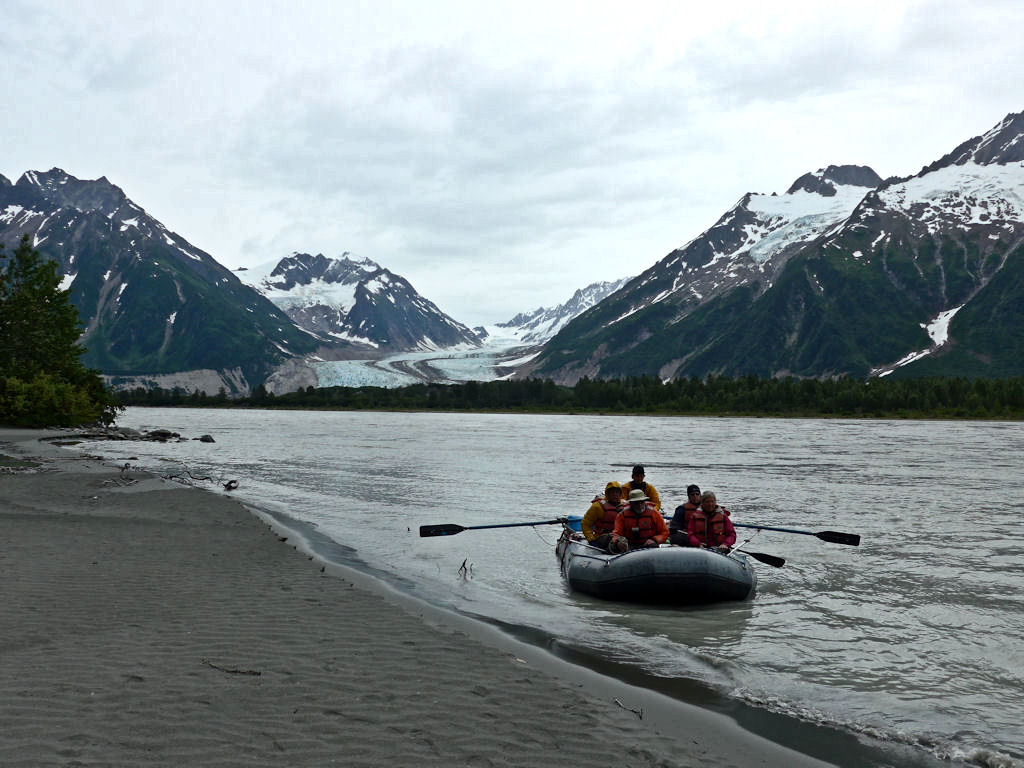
541, 324
160, 312
356, 301
154, 307
829, 279
843, 274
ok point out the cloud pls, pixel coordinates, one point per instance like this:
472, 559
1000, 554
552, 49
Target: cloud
491, 153
494, 154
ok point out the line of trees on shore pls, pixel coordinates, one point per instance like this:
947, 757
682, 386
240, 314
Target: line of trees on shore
742, 396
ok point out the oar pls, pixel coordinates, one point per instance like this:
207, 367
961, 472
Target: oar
450, 529
772, 560
833, 536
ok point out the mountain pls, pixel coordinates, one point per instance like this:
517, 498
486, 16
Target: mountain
356, 301
157, 311
494, 354
541, 324
842, 274
155, 308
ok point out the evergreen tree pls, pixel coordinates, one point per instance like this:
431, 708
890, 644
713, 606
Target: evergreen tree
38, 323
42, 379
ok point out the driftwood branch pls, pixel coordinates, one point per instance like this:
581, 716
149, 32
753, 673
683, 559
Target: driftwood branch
186, 477
209, 663
638, 712
181, 477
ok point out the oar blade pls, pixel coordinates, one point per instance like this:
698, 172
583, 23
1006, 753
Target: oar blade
446, 529
851, 539
772, 560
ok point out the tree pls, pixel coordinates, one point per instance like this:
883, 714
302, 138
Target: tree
44, 381
38, 323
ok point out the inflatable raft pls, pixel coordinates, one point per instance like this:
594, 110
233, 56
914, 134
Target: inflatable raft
667, 575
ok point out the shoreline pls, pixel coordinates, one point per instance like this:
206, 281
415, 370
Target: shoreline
669, 700
1009, 419
153, 624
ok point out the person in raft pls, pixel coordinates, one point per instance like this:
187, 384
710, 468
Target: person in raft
679, 525
710, 526
638, 484
599, 520
639, 525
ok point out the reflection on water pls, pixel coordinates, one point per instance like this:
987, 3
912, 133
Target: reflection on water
914, 636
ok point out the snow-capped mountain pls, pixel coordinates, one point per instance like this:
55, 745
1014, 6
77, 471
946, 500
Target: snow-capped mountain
843, 274
753, 239
357, 301
501, 349
541, 324
155, 308
158, 311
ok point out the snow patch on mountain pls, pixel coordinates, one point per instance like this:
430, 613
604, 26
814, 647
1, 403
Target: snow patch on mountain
938, 332
970, 193
798, 217
272, 280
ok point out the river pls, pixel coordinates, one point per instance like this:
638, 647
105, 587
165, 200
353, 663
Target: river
909, 644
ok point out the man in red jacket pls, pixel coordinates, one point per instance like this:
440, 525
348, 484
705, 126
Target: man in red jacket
710, 526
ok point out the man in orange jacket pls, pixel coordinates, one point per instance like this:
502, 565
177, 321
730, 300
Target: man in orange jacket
639, 525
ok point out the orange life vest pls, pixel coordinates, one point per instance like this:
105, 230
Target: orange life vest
638, 529
607, 523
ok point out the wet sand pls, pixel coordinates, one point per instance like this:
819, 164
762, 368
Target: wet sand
147, 623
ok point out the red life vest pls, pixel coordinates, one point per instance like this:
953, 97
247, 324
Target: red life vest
711, 531
638, 529
681, 519
607, 523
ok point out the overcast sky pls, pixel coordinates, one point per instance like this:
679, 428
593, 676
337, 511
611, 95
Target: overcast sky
499, 155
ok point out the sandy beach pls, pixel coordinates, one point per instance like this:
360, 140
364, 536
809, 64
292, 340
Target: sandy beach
146, 623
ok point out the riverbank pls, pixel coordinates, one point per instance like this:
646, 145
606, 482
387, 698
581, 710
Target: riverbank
934, 398
147, 623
